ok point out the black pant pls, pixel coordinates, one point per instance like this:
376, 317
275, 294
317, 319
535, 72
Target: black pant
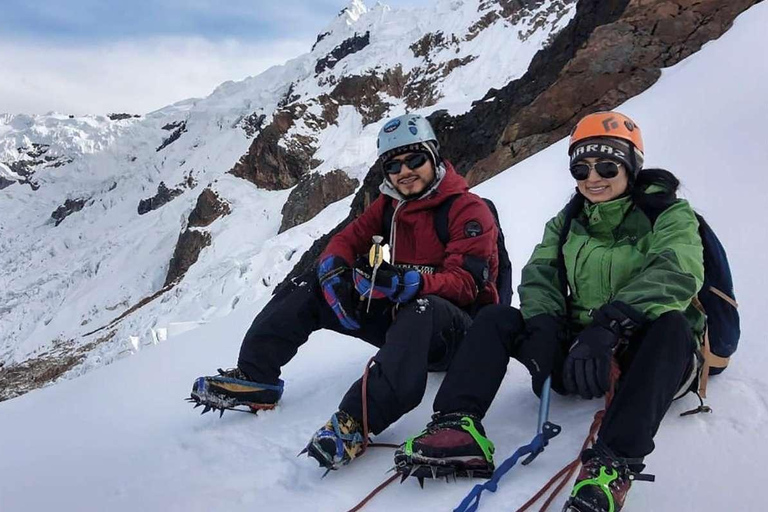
653, 368
424, 335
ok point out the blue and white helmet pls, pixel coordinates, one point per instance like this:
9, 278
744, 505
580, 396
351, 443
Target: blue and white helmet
407, 133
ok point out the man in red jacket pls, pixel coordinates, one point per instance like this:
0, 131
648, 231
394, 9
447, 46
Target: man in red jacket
422, 300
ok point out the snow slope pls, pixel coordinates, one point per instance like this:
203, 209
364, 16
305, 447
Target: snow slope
121, 438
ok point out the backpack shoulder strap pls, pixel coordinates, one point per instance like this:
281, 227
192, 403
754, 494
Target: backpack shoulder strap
441, 219
571, 211
389, 212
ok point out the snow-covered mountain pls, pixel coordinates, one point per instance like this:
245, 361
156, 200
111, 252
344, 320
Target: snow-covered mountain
96, 234
121, 438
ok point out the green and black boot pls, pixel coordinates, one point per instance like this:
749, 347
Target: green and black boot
604, 481
451, 445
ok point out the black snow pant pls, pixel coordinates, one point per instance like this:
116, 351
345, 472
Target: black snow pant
424, 335
654, 365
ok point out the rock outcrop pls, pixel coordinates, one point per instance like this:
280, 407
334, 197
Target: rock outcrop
313, 194
610, 52
69, 207
268, 163
352, 45
163, 196
176, 129
208, 208
194, 239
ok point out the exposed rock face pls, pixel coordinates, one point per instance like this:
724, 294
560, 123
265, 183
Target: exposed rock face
188, 249
362, 92
34, 157
121, 116
252, 124
178, 128
609, 52
163, 196
36, 372
352, 45
69, 207
209, 207
270, 165
193, 240
313, 194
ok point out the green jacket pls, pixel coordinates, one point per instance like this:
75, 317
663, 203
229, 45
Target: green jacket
612, 253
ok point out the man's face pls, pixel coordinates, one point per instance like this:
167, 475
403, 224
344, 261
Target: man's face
410, 173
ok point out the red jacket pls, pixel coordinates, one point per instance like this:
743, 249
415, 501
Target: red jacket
416, 241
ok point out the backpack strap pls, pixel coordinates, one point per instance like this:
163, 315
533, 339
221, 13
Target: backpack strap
386, 228
441, 219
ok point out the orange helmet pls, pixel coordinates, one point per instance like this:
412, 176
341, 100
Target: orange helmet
612, 125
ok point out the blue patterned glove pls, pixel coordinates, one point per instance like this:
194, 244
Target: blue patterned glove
396, 284
333, 274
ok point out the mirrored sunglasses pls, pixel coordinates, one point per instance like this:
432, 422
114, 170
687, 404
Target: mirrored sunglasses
413, 162
605, 169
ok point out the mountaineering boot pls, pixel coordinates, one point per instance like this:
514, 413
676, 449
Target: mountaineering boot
232, 388
337, 442
451, 445
603, 481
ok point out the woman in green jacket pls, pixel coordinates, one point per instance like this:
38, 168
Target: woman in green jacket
613, 279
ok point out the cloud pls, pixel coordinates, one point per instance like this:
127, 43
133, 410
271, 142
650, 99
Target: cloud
135, 76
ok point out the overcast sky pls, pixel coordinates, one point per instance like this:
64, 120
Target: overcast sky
99, 56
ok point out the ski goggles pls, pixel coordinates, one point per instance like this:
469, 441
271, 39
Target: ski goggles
606, 169
413, 162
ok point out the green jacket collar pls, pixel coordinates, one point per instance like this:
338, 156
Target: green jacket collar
603, 218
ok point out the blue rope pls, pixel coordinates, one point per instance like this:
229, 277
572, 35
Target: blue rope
472, 501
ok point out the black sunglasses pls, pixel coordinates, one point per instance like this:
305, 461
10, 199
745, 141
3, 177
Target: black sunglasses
413, 162
605, 169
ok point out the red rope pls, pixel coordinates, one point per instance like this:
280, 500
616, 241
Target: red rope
367, 443
565, 474
374, 492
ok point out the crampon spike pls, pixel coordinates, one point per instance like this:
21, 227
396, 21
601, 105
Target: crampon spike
221, 412
434, 472
326, 471
421, 481
302, 452
207, 409
198, 404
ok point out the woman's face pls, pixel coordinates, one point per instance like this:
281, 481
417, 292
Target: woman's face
598, 189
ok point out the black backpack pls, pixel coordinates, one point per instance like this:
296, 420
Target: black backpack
504, 278
716, 298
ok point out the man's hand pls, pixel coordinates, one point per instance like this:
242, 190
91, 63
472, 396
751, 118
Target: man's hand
334, 276
393, 283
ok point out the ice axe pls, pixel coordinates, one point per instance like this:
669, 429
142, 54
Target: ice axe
376, 256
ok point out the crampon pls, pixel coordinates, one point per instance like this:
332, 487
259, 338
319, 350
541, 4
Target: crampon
231, 391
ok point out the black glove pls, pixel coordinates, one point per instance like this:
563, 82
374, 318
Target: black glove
539, 349
587, 369
394, 283
335, 279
